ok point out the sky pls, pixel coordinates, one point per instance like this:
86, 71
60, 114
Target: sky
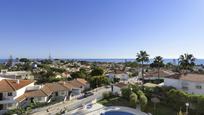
101, 28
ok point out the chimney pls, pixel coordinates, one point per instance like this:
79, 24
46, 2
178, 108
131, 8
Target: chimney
18, 81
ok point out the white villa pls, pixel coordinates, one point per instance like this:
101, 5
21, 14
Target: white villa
5, 74
14, 93
190, 83
123, 76
117, 88
10, 91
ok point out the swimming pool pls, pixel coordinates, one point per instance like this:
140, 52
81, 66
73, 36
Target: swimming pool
117, 113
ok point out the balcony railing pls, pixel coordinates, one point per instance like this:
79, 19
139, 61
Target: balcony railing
7, 100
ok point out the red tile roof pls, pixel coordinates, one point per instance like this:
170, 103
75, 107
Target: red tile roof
35, 93
76, 83
193, 77
21, 98
121, 85
82, 81
46, 90
12, 85
55, 87
162, 73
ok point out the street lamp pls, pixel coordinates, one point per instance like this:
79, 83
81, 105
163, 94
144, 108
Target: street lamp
187, 106
155, 101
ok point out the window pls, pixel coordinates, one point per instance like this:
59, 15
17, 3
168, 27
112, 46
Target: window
198, 87
185, 88
39, 98
10, 94
62, 93
10, 105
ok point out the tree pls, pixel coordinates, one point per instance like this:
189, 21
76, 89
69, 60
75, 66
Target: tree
98, 81
143, 102
126, 92
177, 98
180, 113
186, 62
142, 57
2, 66
115, 80
133, 100
97, 71
131, 64
158, 63
10, 61
78, 74
45, 77
25, 60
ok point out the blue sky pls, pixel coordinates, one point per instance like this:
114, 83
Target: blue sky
101, 28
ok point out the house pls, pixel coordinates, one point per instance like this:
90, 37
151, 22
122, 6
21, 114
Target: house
66, 75
75, 87
58, 90
5, 74
190, 83
14, 93
41, 94
116, 89
154, 74
123, 76
11, 91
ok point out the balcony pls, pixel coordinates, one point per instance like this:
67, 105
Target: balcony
7, 100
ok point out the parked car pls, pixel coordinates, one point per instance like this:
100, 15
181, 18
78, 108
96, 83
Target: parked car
87, 94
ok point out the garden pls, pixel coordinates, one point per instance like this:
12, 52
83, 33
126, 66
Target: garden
170, 100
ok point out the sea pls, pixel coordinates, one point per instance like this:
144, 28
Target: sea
173, 61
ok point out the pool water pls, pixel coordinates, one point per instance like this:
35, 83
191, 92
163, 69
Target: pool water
117, 113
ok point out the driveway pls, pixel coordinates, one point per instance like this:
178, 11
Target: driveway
70, 105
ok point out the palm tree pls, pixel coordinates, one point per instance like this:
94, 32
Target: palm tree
186, 62
142, 57
158, 63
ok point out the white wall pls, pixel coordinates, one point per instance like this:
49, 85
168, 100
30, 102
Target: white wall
40, 99
117, 90
76, 91
122, 77
63, 93
22, 90
172, 82
187, 86
192, 87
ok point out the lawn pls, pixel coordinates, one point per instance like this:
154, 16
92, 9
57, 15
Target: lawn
115, 101
160, 109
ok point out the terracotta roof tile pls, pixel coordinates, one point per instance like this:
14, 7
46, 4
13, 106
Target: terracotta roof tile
67, 85
46, 90
76, 83
35, 93
162, 73
12, 85
55, 87
121, 85
83, 81
193, 77
21, 98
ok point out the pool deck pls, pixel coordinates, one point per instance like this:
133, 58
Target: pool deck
97, 109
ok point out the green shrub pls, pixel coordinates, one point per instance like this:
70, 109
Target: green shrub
106, 95
177, 98
126, 93
133, 100
143, 102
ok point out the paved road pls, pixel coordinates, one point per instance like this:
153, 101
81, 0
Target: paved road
70, 105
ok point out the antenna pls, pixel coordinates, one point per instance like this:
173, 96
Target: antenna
50, 57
